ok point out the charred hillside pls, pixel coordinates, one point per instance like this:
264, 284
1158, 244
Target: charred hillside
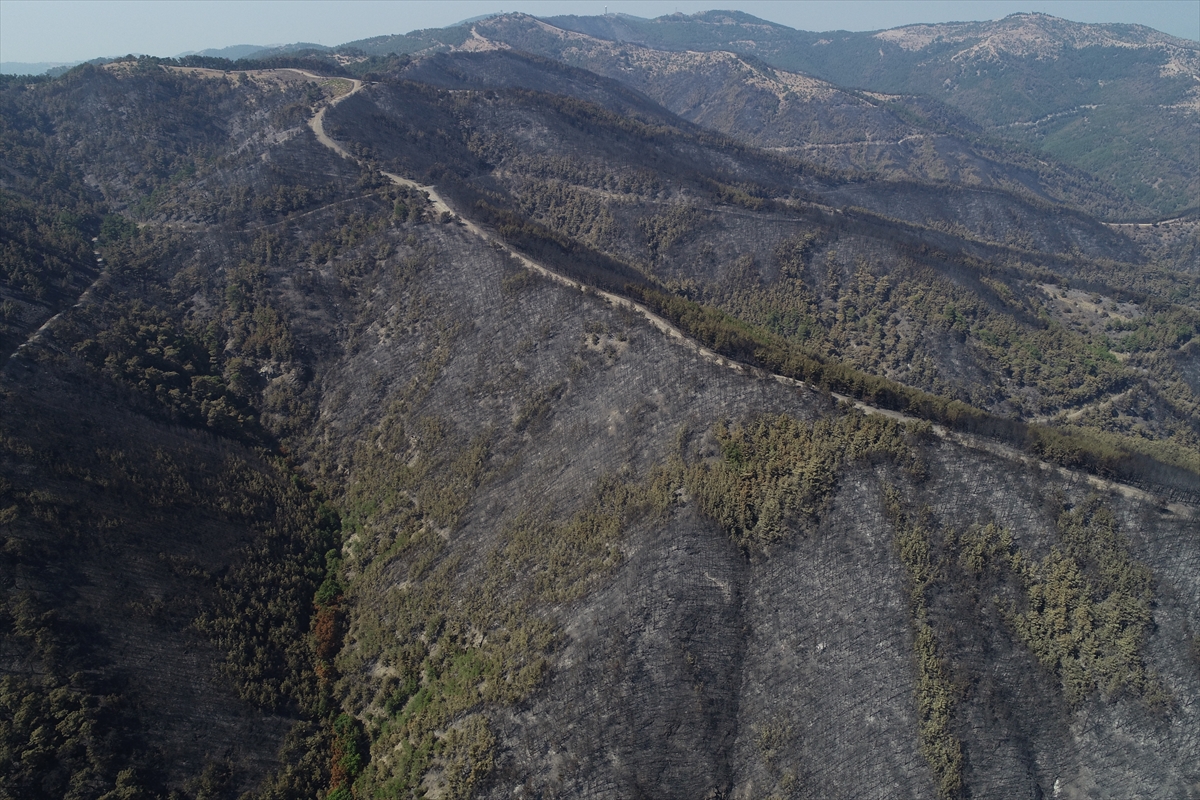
674, 212
624, 459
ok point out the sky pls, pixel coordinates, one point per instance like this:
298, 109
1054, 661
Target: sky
76, 30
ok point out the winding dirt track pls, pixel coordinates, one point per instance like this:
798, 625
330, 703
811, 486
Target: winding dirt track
37, 335
317, 123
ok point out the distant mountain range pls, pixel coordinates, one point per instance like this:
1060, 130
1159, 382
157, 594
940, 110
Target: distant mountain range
32, 67
1106, 101
233, 52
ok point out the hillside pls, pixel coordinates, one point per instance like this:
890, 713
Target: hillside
750, 233
488, 426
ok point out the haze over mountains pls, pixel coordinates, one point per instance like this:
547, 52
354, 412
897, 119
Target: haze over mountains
603, 407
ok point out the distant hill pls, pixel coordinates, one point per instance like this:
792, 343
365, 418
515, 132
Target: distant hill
1109, 99
1102, 101
256, 51
285, 49
888, 135
233, 52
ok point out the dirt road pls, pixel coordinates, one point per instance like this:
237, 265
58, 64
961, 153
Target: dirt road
317, 123
37, 335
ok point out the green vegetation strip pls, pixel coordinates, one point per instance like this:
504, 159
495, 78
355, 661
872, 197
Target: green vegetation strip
1083, 610
777, 473
1124, 458
936, 695
1159, 467
436, 638
1074, 449
1087, 611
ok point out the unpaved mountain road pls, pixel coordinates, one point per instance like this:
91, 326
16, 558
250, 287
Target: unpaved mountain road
440, 206
37, 335
317, 123
1160, 223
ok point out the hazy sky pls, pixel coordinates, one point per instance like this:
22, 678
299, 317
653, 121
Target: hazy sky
75, 30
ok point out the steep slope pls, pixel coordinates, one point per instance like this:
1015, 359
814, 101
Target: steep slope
689, 758
620, 202
156, 552
120, 531
46, 227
